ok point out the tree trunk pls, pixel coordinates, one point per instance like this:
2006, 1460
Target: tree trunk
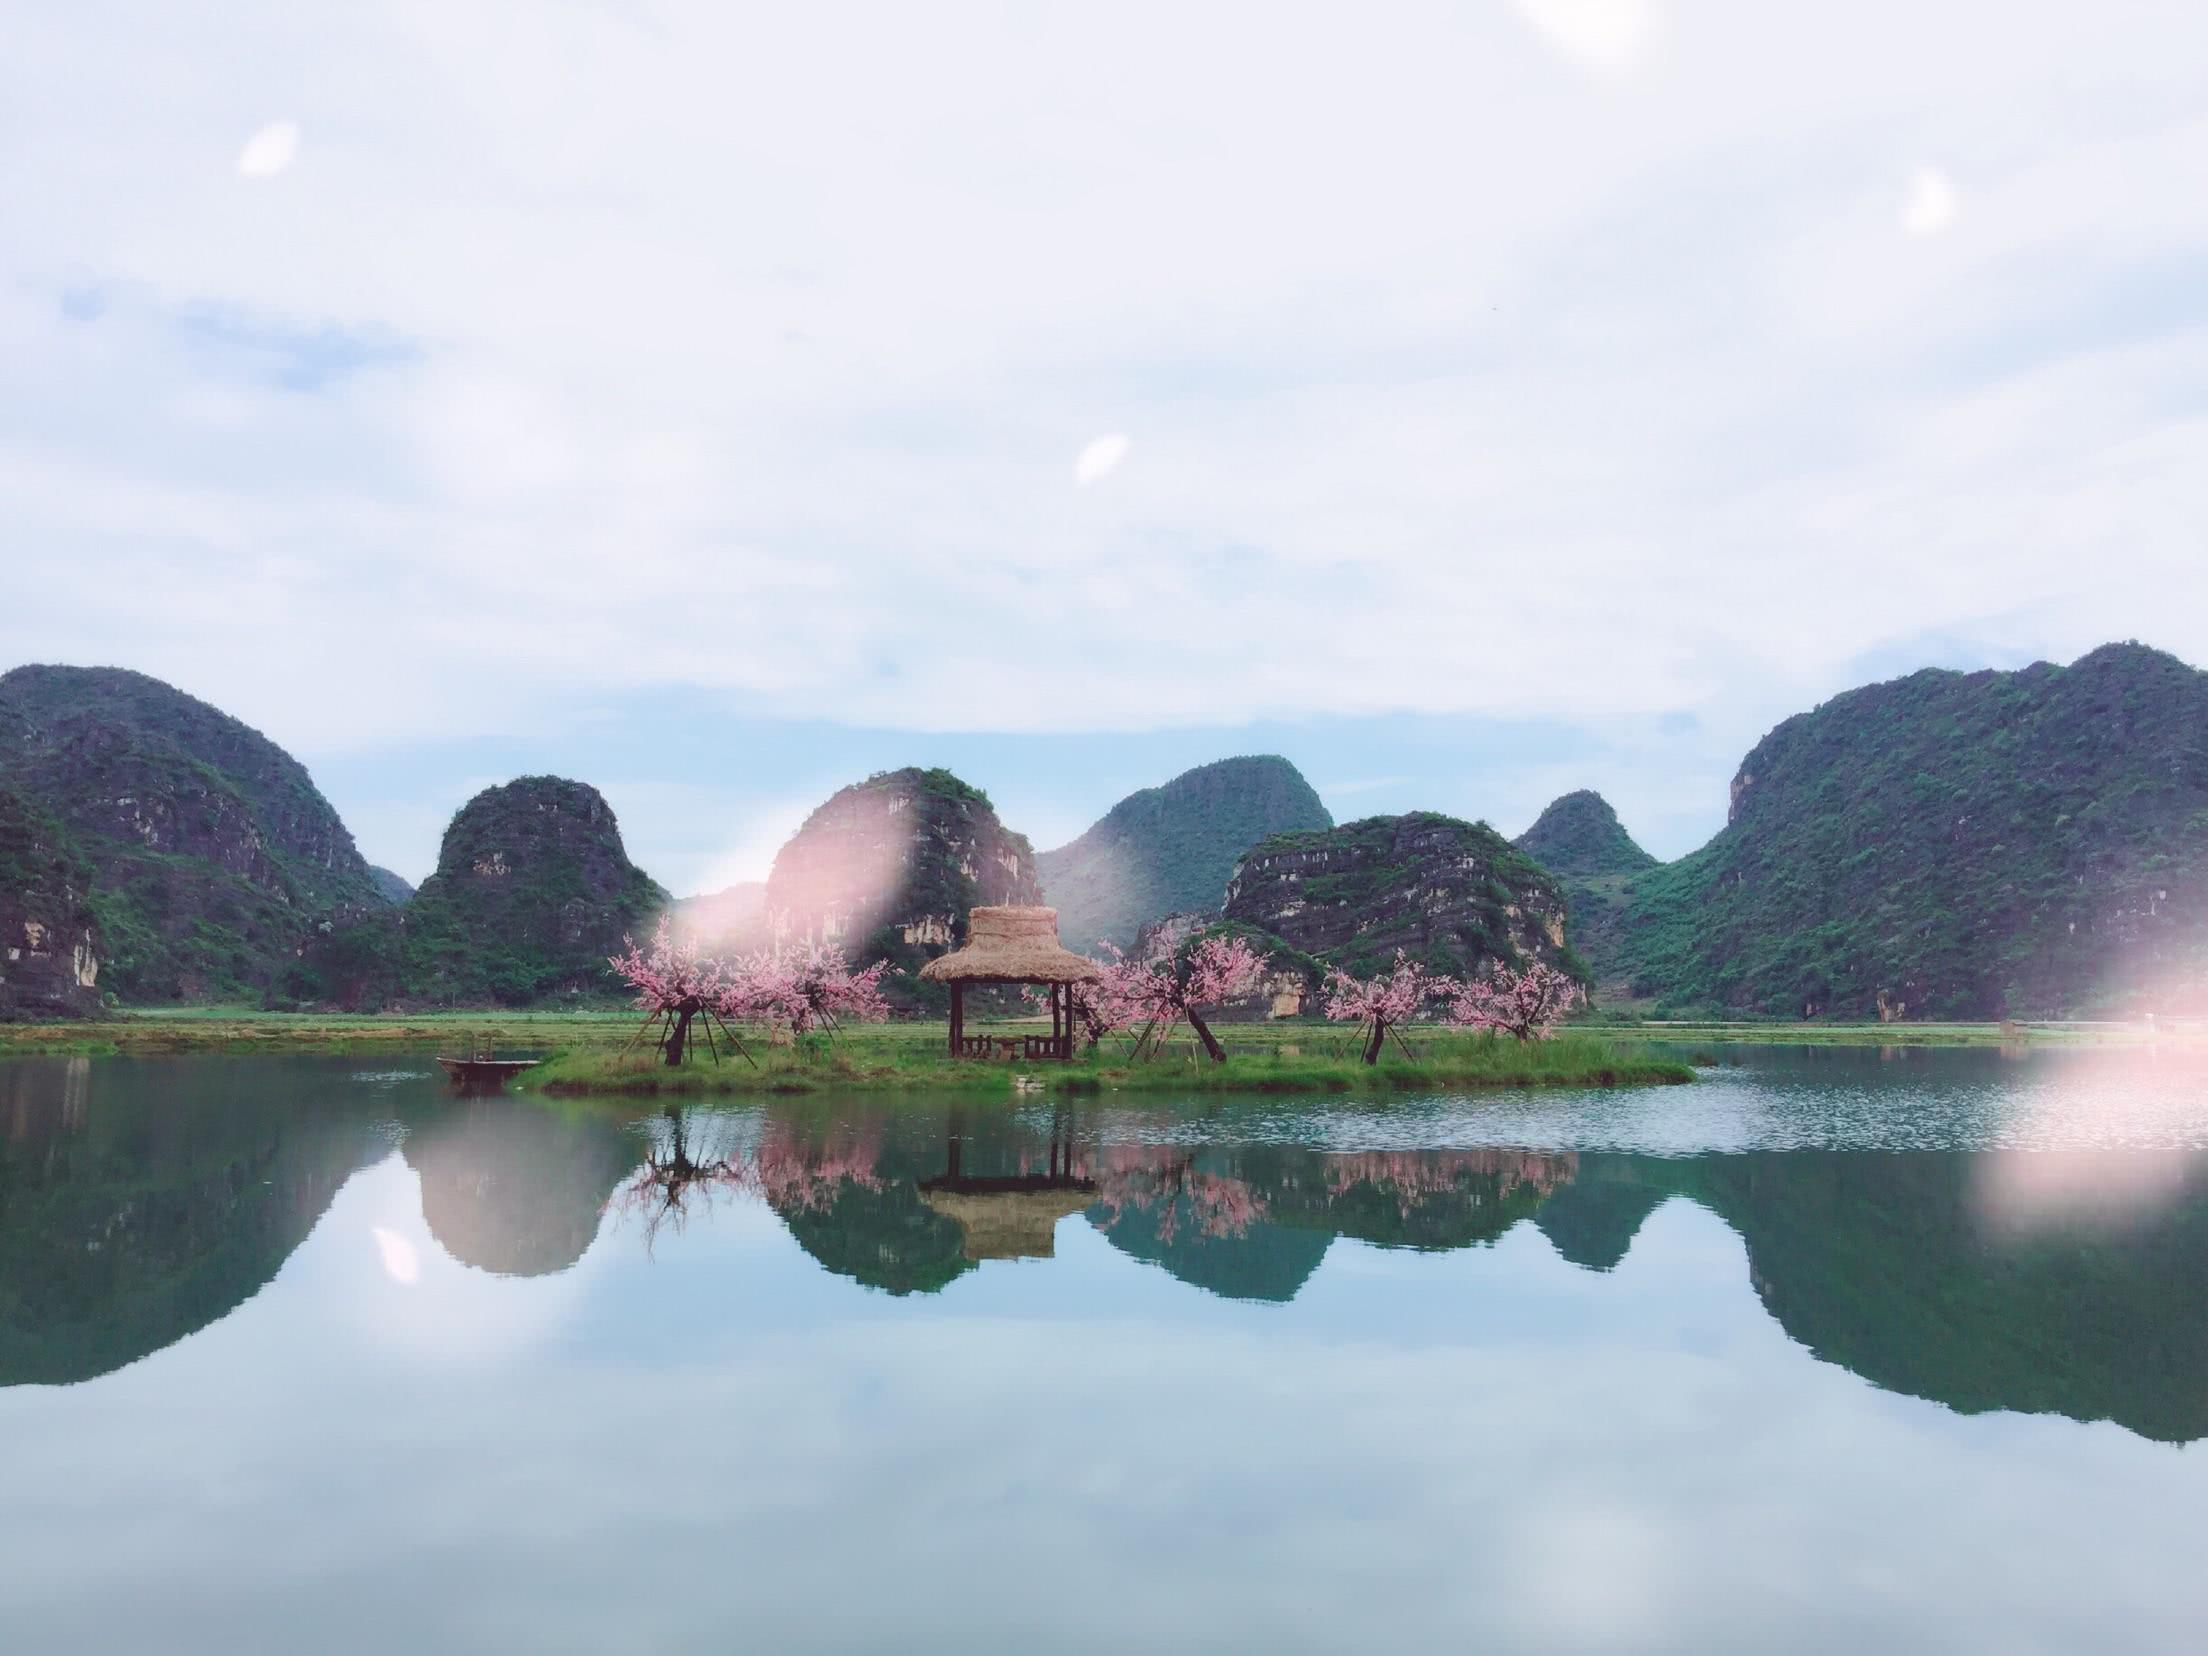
1203, 1034
1372, 1041
678, 1034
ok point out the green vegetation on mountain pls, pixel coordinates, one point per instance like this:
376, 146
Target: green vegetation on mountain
1951, 845
532, 892
1171, 849
392, 888
1580, 834
1580, 840
49, 962
1454, 895
888, 868
211, 855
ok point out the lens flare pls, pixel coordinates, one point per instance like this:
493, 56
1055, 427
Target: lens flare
1100, 458
2104, 1145
1929, 207
269, 151
1607, 37
401, 1262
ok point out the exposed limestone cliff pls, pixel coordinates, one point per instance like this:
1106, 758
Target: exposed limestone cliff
1455, 895
888, 868
211, 856
533, 891
49, 950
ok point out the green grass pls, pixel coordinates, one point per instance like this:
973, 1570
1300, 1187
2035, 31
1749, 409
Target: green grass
1323, 1061
234, 1029
1317, 1055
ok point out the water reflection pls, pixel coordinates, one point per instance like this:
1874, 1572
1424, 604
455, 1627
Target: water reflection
123, 1230
512, 1186
140, 1203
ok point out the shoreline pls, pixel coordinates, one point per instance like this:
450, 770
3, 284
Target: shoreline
1570, 1060
183, 1031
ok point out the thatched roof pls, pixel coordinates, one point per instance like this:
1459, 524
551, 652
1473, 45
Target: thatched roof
1009, 1224
1011, 945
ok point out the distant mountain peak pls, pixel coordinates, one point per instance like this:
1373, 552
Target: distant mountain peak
889, 867
533, 890
1171, 848
1952, 845
394, 889
1579, 834
208, 853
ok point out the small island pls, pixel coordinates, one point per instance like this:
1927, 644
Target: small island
801, 1020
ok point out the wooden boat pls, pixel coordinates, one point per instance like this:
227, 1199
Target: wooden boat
471, 1075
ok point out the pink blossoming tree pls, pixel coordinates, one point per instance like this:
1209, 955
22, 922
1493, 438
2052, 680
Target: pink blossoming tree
1165, 987
805, 988
676, 986
1093, 1014
1383, 1004
1526, 1002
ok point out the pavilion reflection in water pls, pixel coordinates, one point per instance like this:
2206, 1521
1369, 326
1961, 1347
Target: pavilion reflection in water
137, 1206
1009, 1215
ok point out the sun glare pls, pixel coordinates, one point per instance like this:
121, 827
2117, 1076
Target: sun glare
401, 1262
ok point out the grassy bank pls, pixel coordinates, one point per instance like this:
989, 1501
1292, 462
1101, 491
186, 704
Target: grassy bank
1443, 1063
238, 1030
917, 1045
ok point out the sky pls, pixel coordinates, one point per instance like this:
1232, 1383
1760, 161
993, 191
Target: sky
719, 402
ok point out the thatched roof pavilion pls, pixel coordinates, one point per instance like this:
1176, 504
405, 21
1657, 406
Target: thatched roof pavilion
1010, 1223
1013, 945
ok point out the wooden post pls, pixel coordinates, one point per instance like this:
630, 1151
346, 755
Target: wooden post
958, 1015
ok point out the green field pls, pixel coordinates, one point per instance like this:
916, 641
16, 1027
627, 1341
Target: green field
604, 1031
911, 1056
597, 1052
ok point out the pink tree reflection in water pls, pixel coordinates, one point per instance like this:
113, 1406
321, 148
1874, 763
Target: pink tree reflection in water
794, 1173
1165, 1181
1415, 1177
682, 1176
679, 1176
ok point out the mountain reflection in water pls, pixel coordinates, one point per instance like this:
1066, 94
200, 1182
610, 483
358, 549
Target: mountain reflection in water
141, 1202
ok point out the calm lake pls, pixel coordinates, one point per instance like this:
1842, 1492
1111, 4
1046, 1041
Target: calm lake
1833, 1350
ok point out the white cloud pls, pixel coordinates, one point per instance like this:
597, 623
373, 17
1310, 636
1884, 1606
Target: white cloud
1099, 458
269, 151
1929, 206
587, 371
1606, 36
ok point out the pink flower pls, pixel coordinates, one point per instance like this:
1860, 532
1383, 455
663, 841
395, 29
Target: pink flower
1395, 997
802, 988
1526, 1003
1159, 990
